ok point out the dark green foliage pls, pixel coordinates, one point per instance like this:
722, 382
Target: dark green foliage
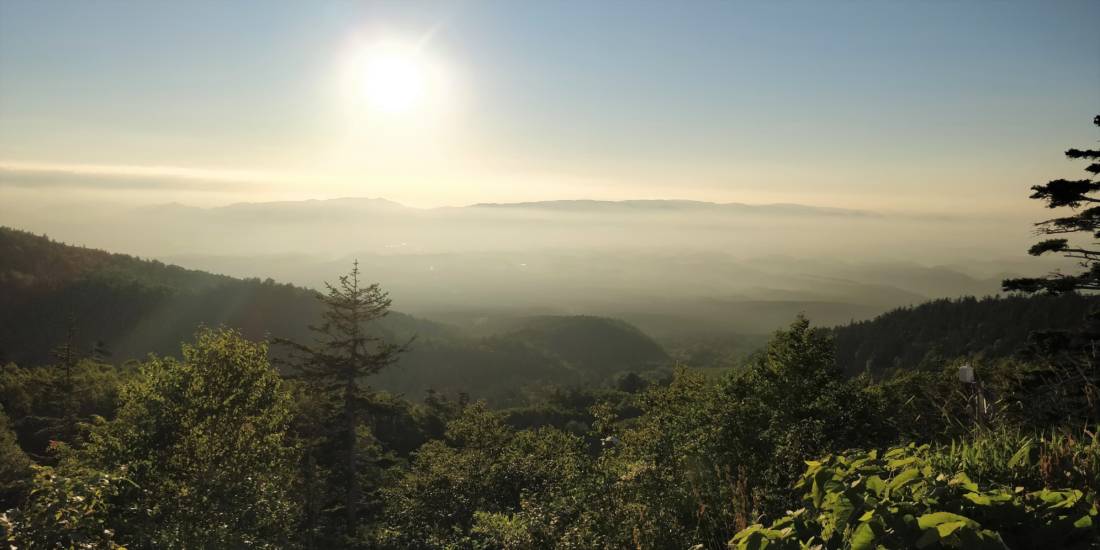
15, 467
346, 350
574, 351
705, 460
570, 409
933, 332
132, 307
402, 426
673, 468
198, 456
1064, 381
650, 465
67, 511
135, 306
481, 467
597, 448
204, 442
899, 499
1009, 455
927, 404
699, 461
930, 405
718, 352
1079, 196
595, 347
33, 398
797, 405
1069, 378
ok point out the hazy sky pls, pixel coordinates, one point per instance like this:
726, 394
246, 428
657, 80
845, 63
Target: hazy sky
939, 106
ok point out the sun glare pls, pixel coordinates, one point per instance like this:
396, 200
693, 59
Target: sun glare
393, 79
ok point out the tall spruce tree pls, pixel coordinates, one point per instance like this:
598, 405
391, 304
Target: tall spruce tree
344, 352
68, 355
1080, 196
1071, 383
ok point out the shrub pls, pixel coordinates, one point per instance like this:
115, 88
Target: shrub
899, 500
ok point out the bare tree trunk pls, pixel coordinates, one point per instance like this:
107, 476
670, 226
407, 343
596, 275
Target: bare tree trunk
352, 494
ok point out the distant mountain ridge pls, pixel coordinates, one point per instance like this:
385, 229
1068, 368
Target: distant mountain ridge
642, 205
636, 205
669, 266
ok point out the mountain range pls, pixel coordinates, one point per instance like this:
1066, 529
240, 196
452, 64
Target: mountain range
672, 267
126, 307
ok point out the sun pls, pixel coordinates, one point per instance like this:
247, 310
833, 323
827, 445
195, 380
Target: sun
393, 78
393, 89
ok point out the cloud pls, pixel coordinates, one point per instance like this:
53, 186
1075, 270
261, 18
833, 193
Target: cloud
133, 177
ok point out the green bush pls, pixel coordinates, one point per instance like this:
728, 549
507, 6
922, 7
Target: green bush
205, 442
65, 511
863, 500
15, 467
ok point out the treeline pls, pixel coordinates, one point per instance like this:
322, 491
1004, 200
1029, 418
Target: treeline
134, 306
217, 450
928, 334
235, 442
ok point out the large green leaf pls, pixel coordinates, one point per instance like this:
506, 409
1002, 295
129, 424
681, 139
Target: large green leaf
863, 538
817, 492
876, 485
945, 529
1084, 522
901, 462
934, 519
842, 511
904, 478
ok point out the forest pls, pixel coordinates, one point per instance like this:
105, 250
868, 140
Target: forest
217, 447
149, 406
499, 275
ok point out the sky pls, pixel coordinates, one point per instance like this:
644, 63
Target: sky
929, 106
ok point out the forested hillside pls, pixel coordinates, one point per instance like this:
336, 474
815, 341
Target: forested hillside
582, 437
929, 333
565, 351
128, 307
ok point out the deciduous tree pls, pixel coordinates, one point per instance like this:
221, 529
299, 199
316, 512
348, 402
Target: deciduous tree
205, 442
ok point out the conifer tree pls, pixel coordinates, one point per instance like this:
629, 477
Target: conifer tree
67, 354
1081, 197
1073, 379
344, 352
